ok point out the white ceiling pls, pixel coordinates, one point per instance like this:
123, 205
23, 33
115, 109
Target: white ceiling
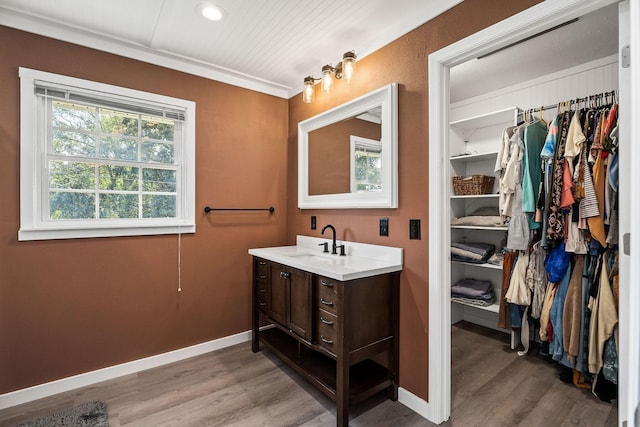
269, 46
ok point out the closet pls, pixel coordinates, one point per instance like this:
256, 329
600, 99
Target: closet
478, 117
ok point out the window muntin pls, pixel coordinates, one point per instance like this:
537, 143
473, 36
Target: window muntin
104, 162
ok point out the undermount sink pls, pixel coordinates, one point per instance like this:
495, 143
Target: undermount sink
311, 257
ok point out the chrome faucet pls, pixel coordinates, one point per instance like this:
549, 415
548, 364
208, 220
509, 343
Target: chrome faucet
334, 246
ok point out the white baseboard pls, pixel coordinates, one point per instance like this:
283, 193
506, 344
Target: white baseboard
39, 391
416, 404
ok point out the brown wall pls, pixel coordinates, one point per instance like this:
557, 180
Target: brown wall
403, 61
72, 306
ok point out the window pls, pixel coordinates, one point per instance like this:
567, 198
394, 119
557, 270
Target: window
99, 160
366, 164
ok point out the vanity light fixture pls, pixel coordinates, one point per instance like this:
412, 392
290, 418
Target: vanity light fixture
344, 69
210, 11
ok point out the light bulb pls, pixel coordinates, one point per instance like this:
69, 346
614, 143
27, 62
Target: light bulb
348, 65
307, 92
327, 78
210, 12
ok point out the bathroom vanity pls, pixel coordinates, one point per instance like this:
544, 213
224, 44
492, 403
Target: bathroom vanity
332, 318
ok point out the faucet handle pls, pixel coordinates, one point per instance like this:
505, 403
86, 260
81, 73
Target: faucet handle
326, 247
341, 250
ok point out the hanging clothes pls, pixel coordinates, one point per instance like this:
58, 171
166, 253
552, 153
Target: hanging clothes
596, 222
534, 138
508, 261
572, 313
555, 218
518, 234
604, 319
561, 186
518, 292
510, 175
536, 279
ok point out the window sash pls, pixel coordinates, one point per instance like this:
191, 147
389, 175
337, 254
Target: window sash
95, 162
36, 153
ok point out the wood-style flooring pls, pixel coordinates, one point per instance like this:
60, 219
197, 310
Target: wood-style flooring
491, 386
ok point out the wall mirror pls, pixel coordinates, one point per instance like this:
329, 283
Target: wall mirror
348, 156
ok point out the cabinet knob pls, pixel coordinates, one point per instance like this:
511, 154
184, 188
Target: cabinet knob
324, 340
327, 284
263, 276
325, 321
329, 303
284, 274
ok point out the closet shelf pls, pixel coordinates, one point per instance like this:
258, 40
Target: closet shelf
477, 196
478, 227
485, 265
508, 115
474, 157
493, 308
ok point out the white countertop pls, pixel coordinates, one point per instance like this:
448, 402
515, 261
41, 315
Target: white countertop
362, 260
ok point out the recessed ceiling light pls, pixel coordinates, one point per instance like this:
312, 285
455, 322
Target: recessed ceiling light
210, 11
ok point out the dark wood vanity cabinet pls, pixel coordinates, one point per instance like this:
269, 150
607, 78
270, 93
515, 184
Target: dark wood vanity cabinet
340, 335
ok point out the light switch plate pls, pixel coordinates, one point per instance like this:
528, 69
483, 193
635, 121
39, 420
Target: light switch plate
414, 229
384, 226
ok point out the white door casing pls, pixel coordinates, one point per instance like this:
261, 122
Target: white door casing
529, 22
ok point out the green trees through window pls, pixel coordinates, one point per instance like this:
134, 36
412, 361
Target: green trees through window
108, 164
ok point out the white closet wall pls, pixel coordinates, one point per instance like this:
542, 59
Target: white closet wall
583, 80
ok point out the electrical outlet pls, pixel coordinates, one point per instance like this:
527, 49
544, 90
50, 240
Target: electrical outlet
414, 229
313, 222
384, 226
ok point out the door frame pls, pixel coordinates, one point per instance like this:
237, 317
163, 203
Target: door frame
527, 23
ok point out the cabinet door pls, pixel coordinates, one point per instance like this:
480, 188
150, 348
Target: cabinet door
300, 303
278, 294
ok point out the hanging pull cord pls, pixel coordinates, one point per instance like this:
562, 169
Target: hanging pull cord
179, 260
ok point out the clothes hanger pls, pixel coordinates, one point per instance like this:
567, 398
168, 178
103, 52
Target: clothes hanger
542, 118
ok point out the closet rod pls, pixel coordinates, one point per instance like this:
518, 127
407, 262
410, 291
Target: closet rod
572, 101
548, 30
271, 209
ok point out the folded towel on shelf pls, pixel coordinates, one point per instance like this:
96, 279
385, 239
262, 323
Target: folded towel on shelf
473, 301
478, 221
472, 288
471, 252
488, 296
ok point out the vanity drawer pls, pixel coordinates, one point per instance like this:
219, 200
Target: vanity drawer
261, 296
327, 294
262, 283
262, 270
327, 325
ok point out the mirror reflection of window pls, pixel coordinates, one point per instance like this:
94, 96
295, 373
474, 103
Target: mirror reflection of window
366, 164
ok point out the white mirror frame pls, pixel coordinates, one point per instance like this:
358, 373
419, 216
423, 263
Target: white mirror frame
387, 98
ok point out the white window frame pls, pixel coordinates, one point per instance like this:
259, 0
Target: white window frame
34, 226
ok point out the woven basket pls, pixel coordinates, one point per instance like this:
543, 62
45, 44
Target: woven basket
472, 185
